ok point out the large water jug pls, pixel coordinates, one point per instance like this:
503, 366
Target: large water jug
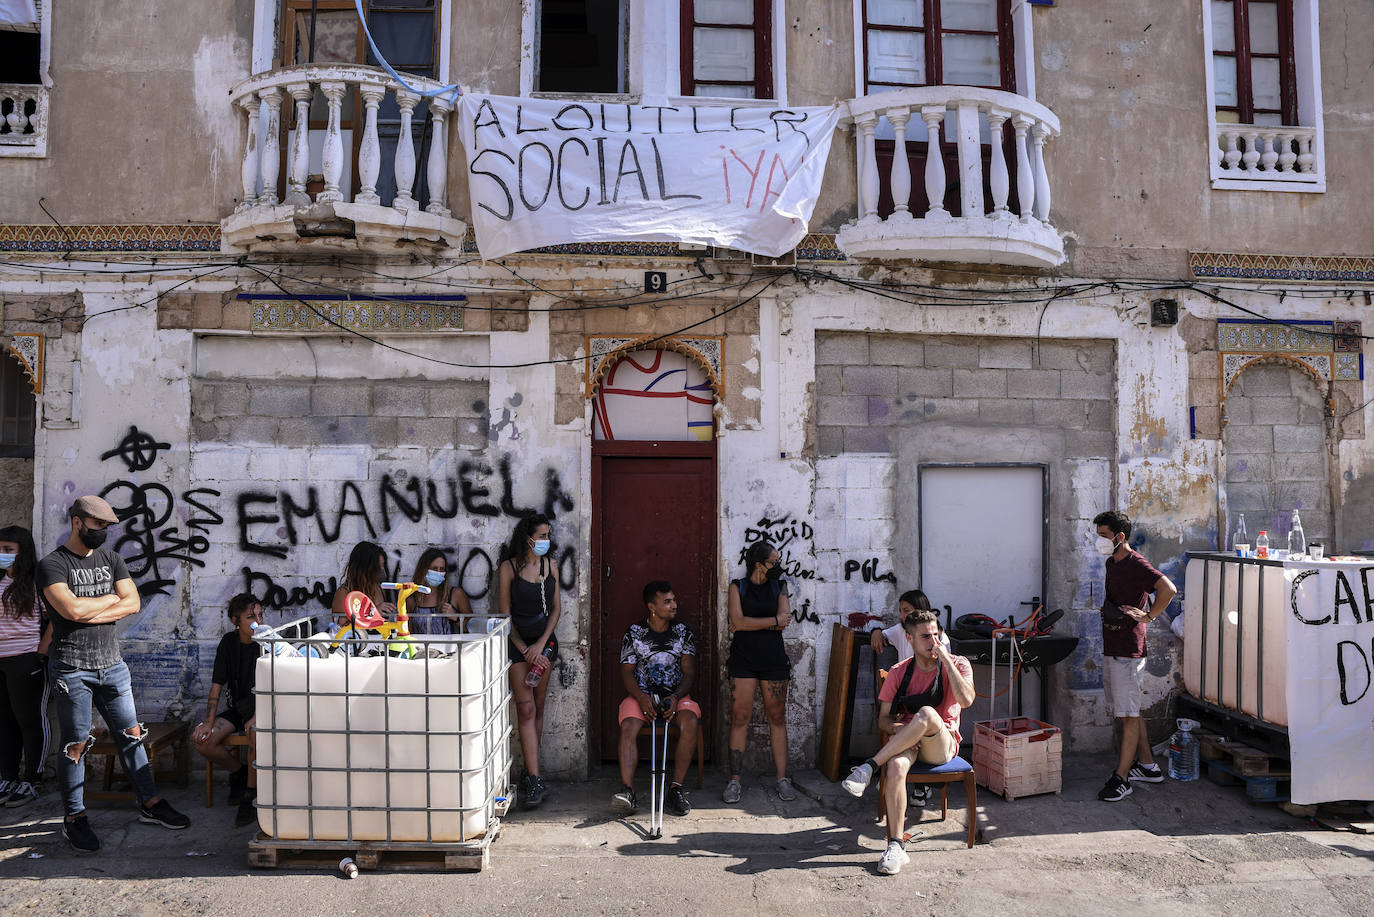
1183, 752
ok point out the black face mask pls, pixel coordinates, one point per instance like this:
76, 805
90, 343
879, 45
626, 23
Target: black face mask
774, 572
93, 538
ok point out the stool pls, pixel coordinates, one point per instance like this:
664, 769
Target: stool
954, 770
175, 735
237, 740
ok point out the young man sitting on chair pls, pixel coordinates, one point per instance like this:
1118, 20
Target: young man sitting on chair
657, 663
235, 668
921, 700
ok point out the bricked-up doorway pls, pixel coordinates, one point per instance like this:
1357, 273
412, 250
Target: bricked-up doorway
653, 517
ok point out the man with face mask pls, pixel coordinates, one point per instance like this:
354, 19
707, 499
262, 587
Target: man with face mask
87, 588
1126, 610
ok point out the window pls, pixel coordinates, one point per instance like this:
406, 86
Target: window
581, 46
328, 31
938, 42
24, 29
727, 48
1264, 90
16, 409
1252, 62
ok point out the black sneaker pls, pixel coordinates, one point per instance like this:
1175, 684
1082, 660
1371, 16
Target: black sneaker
534, 791
625, 801
162, 813
247, 813
238, 782
917, 794
677, 800
78, 833
1145, 773
1115, 790
21, 794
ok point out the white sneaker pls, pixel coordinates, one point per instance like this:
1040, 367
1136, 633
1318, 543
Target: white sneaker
857, 781
894, 858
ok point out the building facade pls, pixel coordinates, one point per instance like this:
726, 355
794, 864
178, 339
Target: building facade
242, 299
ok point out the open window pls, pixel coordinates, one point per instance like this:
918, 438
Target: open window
1263, 83
328, 32
24, 41
18, 408
580, 46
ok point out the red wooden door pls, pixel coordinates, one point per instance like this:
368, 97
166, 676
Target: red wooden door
653, 517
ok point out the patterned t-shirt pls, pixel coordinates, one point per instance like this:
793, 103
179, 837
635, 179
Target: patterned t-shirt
657, 657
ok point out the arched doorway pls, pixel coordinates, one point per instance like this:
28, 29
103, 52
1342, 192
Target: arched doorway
653, 512
1276, 452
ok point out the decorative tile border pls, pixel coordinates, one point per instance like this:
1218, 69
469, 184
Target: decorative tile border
1329, 351
28, 349
102, 237
329, 313
1280, 267
602, 353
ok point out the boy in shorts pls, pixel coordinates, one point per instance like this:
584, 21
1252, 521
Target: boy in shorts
235, 666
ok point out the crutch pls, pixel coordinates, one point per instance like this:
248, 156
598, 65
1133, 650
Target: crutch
658, 772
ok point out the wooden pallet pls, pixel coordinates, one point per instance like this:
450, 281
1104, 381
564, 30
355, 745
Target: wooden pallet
1271, 787
1244, 760
376, 856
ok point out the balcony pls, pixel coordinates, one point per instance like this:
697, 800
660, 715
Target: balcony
1265, 158
996, 208
23, 119
334, 197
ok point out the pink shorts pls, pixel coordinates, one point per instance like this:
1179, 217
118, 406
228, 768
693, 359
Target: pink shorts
629, 708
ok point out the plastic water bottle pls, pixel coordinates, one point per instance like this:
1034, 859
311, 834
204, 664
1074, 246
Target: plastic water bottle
1183, 752
1297, 544
274, 644
1262, 544
1241, 538
540, 666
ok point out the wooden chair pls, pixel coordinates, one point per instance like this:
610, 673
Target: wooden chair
172, 734
955, 770
237, 740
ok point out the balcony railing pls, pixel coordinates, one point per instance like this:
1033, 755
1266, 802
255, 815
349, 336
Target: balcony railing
23, 119
986, 229
318, 209
1258, 153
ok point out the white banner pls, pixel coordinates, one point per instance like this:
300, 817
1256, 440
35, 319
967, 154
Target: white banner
1330, 669
546, 172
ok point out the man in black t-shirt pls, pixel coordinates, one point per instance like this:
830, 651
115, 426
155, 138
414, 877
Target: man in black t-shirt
236, 662
658, 665
87, 588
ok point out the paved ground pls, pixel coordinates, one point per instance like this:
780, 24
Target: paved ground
1176, 849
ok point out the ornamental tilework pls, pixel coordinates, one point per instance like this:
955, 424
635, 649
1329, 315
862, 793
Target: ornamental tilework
393, 314
1280, 267
1330, 351
173, 237
602, 353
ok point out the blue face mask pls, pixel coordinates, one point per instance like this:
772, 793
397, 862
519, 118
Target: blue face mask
7, 561
541, 547
435, 578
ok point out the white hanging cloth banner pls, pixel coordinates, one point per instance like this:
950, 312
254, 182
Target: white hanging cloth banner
18, 16
1330, 680
548, 172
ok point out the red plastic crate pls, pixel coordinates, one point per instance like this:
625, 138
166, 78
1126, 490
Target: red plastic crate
1019, 756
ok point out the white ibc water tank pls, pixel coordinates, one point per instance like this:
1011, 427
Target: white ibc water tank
380, 747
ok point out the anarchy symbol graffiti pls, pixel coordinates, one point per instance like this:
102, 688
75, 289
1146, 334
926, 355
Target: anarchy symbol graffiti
137, 450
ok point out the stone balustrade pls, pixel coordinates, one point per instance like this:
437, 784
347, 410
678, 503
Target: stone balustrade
987, 230
332, 215
23, 119
1252, 151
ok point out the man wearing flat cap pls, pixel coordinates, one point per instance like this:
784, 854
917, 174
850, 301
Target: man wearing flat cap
87, 588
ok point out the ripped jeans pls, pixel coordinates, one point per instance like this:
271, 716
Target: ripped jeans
77, 691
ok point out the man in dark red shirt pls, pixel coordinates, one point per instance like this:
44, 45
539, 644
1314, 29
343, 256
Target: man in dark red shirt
1130, 581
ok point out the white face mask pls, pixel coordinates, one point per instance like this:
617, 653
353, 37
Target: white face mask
1105, 546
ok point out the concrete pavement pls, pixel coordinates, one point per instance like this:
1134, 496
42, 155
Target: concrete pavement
1177, 849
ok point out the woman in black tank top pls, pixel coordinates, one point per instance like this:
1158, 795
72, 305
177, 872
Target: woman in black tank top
759, 610
528, 593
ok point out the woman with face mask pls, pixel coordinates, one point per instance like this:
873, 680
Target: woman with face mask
438, 613
527, 591
24, 639
759, 610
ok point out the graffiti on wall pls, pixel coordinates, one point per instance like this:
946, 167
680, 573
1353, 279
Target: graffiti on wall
273, 523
